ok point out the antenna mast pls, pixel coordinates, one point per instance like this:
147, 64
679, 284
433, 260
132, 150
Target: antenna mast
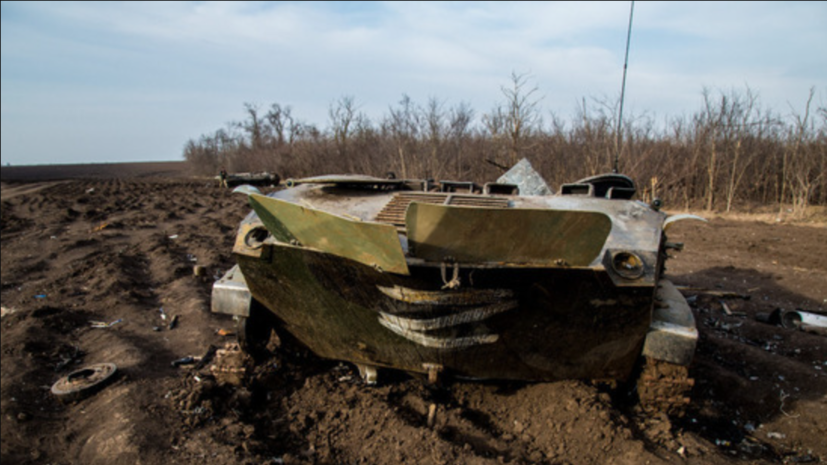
623, 92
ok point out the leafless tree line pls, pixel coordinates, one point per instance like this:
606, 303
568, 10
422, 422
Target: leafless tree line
730, 153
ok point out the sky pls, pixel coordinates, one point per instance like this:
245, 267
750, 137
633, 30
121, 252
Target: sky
125, 82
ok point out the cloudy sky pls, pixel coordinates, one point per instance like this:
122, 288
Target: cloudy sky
111, 82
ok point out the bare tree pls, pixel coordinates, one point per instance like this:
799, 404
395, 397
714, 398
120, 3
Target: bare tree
434, 130
802, 173
281, 124
712, 117
459, 127
594, 132
403, 125
521, 115
342, 116
739, 121
821, 144
725, 153
253, 126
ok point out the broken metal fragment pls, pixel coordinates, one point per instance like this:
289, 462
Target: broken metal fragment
83, 382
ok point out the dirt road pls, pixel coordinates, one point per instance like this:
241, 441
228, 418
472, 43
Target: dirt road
118, 250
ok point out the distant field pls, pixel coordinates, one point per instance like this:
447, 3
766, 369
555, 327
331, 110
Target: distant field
118, 249
94, 171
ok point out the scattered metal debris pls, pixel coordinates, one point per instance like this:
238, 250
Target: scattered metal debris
103, 324
67, 360
257, 178
797, 319
773, 318
173, 322
714, 293
83, 382
206, 358
804, 321
526, 179
230, 365
783, 396
188, 360
728, 311
728, 326
805, 458
431, 415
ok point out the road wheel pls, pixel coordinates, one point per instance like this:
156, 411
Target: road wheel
253, 332
84, 382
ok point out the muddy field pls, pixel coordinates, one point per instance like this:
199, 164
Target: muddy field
117, 247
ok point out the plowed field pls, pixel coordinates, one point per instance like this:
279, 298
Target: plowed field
119, 246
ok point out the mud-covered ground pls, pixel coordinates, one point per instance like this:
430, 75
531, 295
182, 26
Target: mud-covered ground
117, 249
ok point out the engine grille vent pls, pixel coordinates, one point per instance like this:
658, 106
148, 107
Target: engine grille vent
394, 211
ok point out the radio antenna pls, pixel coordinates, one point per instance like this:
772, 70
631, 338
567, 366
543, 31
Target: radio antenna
623, 92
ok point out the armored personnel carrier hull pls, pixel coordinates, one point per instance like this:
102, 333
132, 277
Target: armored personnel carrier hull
262, 178
479, 282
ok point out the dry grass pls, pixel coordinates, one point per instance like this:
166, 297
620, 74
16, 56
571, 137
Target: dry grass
814, 215
730, 153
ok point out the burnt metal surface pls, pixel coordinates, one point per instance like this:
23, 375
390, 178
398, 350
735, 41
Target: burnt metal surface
635, 226
527, 180
603, 185
262, 178
484, 235
374, 244
394, 211
553, 324
482, 283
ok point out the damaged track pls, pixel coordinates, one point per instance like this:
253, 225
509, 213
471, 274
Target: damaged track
122, 249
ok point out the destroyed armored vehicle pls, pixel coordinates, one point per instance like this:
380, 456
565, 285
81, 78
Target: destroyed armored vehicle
505, 281
261, 178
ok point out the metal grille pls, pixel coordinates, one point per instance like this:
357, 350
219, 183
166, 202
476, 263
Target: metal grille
394, 211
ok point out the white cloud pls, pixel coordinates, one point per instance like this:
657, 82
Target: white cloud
196, 60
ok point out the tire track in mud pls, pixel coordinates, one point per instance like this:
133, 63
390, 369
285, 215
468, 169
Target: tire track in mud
110, 254
13, 190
